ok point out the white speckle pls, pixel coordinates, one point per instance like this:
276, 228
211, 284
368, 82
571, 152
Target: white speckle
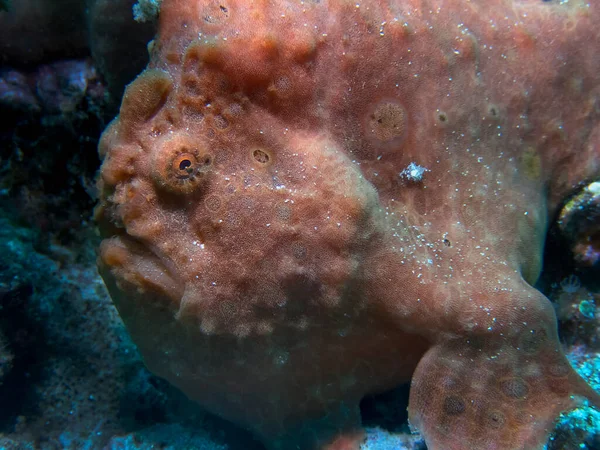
281, 358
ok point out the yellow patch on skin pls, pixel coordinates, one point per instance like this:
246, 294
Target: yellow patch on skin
531, 163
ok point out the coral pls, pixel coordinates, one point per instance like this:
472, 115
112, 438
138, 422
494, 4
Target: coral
57, 373
576, 310
579, 222
303, 203
378, 439
48, 138
15, 90
34, 32
56, 88
70, 378
146, 10
178, 437
580, 428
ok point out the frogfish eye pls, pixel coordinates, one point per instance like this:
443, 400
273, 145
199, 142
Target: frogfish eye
180, 165
184, 165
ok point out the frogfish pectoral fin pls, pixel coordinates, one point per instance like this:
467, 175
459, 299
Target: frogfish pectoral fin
469, 395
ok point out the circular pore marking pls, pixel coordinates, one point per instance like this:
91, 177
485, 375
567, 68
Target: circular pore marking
495, 419
261, 156
212, 203
441, 117
387, 121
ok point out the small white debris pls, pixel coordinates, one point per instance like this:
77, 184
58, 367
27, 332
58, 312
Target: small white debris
413, 172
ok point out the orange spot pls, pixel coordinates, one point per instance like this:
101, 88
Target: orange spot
266, 47
350, 441
523, 39
113, 255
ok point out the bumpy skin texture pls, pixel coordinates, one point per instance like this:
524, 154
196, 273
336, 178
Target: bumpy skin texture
275, 254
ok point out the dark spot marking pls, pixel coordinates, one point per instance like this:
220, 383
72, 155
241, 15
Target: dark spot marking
283, 212
220, 122
454, 406
193, 114
514, 388
559, 370
534, 340
192, 88
559, 386
298, 250
283, 83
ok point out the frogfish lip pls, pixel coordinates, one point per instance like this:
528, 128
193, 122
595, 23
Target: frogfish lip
131, 265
